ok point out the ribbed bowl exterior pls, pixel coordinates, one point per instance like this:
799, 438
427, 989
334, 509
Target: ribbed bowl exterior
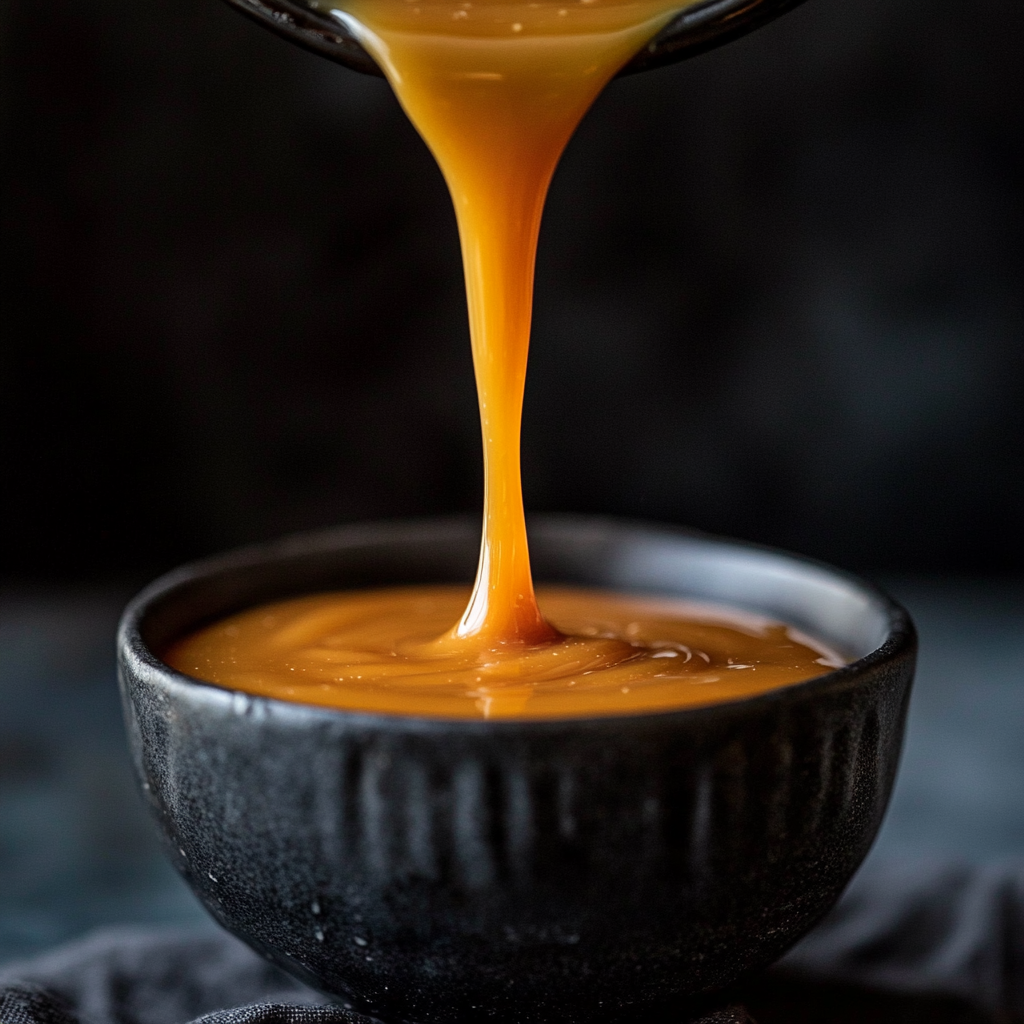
580, 870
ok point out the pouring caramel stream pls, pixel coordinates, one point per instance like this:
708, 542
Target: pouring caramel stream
496, 88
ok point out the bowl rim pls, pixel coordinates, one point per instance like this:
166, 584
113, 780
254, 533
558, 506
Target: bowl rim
136, 658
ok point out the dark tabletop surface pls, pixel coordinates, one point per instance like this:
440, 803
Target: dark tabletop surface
77, 850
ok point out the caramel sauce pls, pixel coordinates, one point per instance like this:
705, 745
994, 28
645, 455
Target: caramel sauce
378, 650
496, 88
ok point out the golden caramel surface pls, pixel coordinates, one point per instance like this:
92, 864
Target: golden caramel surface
388, 651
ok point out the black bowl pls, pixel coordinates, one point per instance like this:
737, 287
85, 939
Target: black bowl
592, 869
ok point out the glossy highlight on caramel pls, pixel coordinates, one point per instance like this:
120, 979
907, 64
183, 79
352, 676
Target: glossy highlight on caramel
377, 651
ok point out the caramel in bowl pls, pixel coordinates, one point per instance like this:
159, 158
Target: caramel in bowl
571, 869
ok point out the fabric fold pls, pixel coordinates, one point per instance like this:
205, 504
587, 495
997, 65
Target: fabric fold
912, 929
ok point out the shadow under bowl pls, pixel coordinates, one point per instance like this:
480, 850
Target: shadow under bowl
591, 869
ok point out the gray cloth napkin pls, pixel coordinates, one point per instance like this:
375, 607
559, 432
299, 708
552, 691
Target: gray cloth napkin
925, 929
951, 935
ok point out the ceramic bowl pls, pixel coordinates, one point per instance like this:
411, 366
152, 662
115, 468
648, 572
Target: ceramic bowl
591, 869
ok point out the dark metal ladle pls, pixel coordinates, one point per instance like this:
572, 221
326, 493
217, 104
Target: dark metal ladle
700, 27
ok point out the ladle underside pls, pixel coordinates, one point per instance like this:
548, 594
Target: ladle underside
699, 28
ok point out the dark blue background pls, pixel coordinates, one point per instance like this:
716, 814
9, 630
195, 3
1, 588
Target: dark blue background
779, 293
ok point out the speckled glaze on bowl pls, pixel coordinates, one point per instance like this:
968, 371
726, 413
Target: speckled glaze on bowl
593, 869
